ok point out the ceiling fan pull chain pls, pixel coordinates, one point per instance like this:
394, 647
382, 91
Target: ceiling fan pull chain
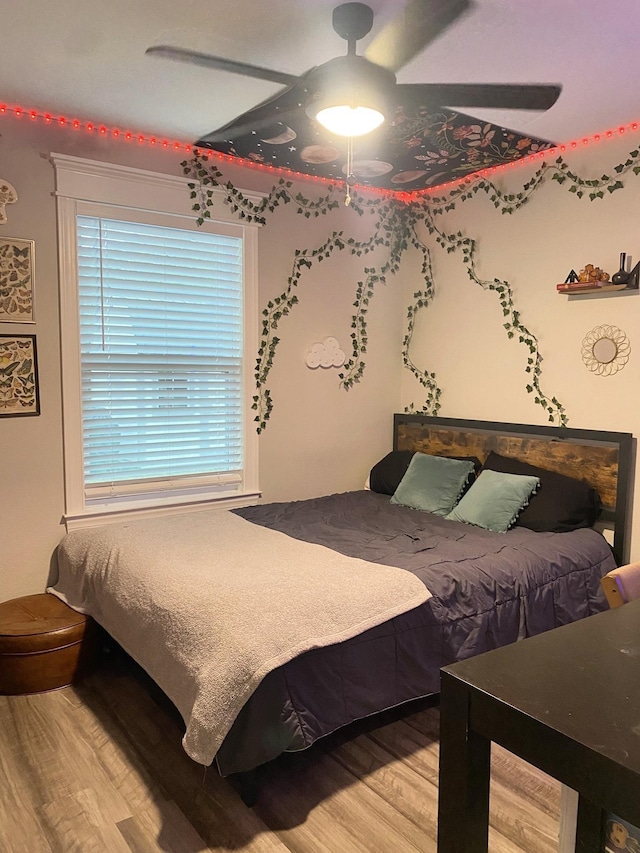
350, 176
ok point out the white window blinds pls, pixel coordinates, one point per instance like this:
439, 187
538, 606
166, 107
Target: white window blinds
161, 340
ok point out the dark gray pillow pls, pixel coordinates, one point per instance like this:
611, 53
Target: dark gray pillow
386, 474
560, 504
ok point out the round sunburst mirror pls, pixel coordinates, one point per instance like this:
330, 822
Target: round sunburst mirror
605, 350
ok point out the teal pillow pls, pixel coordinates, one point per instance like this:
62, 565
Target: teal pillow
495, 499
432, 483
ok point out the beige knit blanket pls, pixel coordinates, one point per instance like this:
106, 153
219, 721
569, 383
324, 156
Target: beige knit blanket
209, 603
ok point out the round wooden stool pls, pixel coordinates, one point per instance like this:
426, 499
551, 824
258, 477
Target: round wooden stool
44, 644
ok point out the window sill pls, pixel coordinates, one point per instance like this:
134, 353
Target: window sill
98, 516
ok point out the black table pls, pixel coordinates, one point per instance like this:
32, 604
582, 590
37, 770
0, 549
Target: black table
568, 702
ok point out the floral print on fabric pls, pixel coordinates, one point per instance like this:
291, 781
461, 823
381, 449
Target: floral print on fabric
415, 149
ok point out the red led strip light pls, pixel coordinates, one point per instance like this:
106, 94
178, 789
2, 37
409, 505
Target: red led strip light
165, 144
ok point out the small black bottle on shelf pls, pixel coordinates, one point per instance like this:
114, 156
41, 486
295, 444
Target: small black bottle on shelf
622, 276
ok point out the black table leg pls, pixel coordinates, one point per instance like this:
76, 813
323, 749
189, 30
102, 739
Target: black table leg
589, 827
465, 766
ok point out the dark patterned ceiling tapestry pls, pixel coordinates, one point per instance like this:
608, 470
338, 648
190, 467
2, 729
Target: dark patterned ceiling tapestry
419, 147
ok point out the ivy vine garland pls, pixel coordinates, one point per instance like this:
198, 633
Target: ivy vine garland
388, 231
513, 325
560, 172
394, 228
421, 299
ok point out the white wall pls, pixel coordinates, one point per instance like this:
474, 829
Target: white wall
320, 438
461, 336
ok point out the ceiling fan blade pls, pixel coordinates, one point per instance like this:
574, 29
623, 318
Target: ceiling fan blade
411, 31
516, 96
181, 54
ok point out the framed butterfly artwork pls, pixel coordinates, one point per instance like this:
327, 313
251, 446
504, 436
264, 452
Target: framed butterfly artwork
16, 280
19, 393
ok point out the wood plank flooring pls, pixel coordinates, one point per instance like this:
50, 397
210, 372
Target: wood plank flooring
99, 768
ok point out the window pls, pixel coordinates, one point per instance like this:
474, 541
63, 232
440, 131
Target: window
158, 335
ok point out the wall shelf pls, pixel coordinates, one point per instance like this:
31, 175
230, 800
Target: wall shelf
589, 291
627, 281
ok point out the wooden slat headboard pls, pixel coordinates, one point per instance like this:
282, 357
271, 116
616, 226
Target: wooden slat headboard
603, 459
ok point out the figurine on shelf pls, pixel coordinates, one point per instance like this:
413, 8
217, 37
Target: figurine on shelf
592, 274
588, 279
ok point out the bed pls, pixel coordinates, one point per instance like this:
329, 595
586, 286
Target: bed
398, 592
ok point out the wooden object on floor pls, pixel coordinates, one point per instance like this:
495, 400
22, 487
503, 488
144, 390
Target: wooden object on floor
44, 644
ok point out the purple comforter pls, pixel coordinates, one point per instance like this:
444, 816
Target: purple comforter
488, 589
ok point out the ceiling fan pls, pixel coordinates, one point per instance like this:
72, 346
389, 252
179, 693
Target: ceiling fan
350, 89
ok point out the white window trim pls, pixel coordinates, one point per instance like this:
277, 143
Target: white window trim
80, 182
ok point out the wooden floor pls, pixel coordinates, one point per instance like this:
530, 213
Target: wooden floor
101, 768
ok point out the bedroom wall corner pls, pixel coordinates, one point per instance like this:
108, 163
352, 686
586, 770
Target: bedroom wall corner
462, 335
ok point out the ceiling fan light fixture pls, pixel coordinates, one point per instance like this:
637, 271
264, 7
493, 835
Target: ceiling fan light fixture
350, 96
345, 120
